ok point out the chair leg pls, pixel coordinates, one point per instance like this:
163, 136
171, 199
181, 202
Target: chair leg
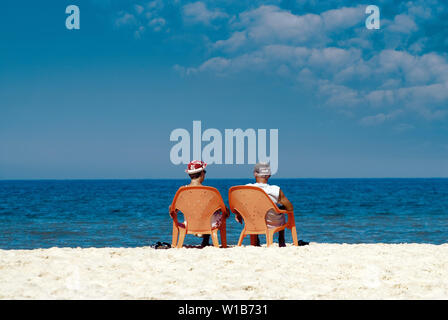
242, 235
180, 243
175, 235
223, 233
294, 235
269, 237
215, 238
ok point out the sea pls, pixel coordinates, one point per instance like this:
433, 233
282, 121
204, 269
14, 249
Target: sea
134, 213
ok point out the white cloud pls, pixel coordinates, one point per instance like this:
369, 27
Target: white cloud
125, 18
138, 8
403, 24
422, 10
341, 70
197, 12
430, 101
412, 82
217, 64
232, 44
343, 18
270, 24
326, 61
379, 118
142, 17
333, 59
157, 24
139, 32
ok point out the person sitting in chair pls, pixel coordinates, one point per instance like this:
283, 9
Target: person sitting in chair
196, 172
262, 173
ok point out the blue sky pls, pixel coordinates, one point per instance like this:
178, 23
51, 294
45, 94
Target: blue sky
101, 102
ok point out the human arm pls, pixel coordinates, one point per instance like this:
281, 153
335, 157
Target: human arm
172, 212
238, 217
282, 199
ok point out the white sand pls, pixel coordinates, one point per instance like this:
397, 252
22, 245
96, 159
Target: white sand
317, 271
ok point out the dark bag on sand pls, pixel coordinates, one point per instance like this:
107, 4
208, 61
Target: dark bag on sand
161, 245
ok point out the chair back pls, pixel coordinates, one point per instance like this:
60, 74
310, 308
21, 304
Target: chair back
198, 203
252, 203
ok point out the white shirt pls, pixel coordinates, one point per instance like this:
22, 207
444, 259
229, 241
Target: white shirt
273, 219
272, 191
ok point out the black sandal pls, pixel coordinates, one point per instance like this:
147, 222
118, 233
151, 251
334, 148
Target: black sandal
161, 245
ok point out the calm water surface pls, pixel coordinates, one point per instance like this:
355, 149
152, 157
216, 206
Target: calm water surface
131, 213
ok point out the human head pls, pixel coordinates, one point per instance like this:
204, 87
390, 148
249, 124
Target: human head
196, 170
262, 171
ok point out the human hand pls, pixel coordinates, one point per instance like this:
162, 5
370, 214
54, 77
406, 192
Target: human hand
239, 218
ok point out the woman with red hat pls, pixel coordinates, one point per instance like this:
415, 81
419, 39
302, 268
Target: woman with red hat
196, 171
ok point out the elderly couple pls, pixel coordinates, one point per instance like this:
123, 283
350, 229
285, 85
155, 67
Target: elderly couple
262, 173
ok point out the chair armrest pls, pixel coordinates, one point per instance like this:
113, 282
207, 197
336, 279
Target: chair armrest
173, 214
285, 211
291, 221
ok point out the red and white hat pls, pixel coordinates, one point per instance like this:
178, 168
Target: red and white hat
195, 166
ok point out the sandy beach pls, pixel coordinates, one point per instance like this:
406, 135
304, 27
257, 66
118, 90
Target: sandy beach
317, 271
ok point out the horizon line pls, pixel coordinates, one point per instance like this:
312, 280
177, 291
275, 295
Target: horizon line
186, 178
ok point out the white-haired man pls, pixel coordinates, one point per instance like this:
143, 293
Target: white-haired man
262, 173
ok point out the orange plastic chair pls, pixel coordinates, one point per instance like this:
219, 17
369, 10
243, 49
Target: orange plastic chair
252, 203
198, 204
